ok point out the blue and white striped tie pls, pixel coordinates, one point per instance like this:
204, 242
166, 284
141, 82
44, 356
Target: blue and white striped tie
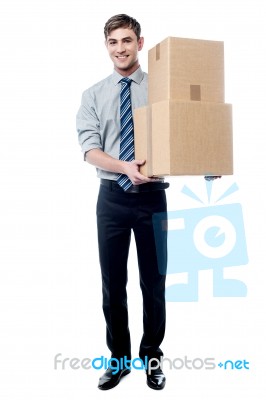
126, 131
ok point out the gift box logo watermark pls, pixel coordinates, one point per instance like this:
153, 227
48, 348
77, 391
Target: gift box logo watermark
210, 237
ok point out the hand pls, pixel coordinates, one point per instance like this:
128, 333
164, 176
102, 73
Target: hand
211, 178
131, 169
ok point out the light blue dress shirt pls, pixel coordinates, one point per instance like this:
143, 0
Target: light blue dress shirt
98, 118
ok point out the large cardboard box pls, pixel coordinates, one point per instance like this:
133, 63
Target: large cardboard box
186, 69
184, 138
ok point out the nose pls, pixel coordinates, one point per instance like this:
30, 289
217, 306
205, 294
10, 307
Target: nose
120, 47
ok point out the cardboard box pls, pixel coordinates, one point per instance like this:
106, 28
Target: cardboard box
186, 69
184, 138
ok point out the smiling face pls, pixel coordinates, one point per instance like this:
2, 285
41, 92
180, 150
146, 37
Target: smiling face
123, 47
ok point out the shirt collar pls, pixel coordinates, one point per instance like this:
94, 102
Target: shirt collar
137, 76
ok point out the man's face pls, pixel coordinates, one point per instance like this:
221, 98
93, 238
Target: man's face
123, 47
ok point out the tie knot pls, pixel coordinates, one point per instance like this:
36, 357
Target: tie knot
126, 81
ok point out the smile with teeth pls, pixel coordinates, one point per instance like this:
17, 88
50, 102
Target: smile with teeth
121, 57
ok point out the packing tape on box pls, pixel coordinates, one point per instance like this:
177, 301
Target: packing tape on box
158, 51
195, 92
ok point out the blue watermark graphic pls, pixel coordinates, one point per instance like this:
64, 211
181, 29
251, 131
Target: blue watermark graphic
210, 237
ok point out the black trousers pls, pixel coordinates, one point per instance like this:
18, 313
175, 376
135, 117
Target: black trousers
119, 213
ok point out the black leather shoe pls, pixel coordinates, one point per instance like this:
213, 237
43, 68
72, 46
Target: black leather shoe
156, 379
110, 380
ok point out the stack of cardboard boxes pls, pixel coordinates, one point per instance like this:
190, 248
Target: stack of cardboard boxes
186, 129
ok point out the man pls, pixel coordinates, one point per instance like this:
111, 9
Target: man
127, 200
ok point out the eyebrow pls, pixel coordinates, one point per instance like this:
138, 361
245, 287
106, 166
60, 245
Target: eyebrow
124, 38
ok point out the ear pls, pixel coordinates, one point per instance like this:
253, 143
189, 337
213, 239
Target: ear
140, 43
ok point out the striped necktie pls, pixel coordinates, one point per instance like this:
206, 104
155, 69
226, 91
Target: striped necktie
126, 131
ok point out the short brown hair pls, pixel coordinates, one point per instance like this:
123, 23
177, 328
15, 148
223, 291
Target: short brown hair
122, 21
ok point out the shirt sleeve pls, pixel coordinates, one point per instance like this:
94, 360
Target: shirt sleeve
88, 125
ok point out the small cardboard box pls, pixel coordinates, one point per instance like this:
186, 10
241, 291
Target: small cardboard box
184, 138
186, 69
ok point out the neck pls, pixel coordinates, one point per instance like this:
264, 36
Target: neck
129, 71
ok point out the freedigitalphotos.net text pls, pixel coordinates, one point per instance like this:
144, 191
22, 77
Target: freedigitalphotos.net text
97, 363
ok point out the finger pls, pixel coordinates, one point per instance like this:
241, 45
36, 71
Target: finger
139, 162
144, 179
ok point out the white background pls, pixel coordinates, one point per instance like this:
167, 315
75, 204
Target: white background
52, 50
